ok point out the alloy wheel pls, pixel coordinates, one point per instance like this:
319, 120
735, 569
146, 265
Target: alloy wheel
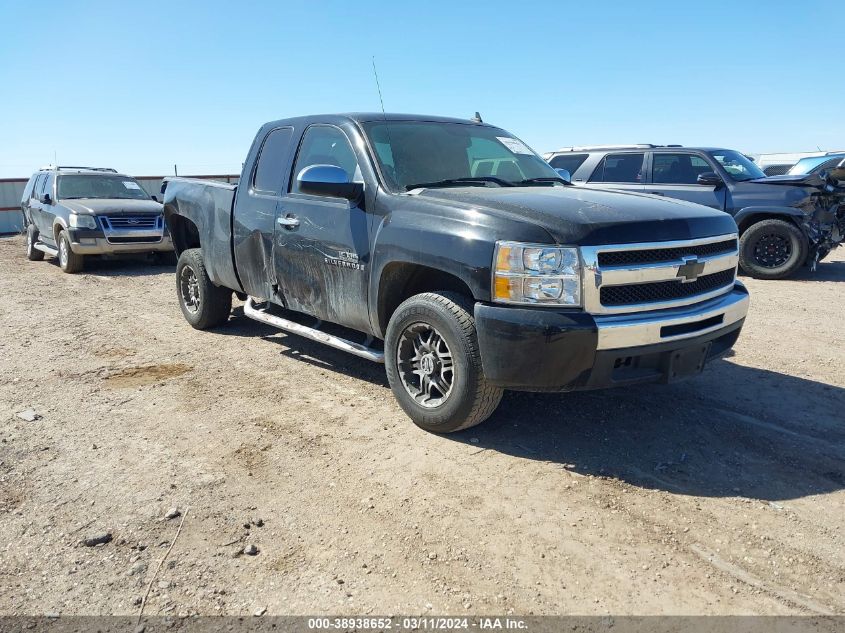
425, 365
189, 288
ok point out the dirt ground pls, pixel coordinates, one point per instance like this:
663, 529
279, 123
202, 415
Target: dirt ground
719, 495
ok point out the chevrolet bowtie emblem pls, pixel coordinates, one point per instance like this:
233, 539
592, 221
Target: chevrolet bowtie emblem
690, 270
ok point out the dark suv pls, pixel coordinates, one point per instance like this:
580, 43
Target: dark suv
71, 212
784, 222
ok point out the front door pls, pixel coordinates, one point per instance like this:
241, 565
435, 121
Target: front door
322, 254
675, 175
48, 211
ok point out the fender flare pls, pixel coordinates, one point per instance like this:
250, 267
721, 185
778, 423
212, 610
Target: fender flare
787, 212
60, 222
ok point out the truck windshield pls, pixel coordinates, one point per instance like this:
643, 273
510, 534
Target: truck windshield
96, 186
737, 165
425, 153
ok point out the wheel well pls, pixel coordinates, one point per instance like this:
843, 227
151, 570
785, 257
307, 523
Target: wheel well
183, 232
401, 281
758, 217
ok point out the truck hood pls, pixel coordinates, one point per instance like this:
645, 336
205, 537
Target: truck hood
580, 216
800, 180
111, 206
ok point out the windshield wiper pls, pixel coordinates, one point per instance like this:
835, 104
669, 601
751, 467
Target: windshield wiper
451, 182
541, 180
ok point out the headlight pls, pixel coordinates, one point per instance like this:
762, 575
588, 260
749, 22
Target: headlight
536, 274
82, 221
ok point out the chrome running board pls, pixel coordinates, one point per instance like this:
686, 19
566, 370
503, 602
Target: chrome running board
363, 351
52, 252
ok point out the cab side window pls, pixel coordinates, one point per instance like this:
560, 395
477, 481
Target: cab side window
271, 161
569, 162
38, 188
47, 186
325, 145
620, 168
678, 169
29, 189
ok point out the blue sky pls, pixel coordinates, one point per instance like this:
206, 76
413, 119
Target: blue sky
143, 85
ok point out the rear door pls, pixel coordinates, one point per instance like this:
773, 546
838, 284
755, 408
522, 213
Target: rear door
253, 230
26, 199
322, 262
675, 175
36, 209
623, 170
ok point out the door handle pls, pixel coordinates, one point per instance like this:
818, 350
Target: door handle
289, 222
657, 193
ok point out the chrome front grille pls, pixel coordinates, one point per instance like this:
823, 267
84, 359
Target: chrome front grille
133, 229
129, 222
656, 275
650, 256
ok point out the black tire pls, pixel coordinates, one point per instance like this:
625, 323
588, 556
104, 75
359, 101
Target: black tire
772, 249
32, 253
469, 399
203, 304
69, 261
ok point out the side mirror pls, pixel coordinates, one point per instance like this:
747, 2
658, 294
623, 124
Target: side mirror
564, 173
709, 178
154, 198
328, 180
45, 199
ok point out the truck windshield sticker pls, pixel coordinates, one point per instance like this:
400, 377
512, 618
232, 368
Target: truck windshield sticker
131, 185
514, 145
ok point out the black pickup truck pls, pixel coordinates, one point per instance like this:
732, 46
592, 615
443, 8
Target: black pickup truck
451, 252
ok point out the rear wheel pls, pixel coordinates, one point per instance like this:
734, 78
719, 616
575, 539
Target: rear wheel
69, 261
32, 253
203, 304
434, 365
772, 249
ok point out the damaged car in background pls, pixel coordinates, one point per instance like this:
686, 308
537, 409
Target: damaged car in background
823, 208
785, 222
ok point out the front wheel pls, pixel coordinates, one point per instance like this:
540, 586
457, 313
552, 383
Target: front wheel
434, 365
772, 249
203, 304
69, 261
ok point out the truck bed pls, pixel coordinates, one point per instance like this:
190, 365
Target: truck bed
209, 206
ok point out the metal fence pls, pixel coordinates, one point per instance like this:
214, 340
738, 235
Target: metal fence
11, 191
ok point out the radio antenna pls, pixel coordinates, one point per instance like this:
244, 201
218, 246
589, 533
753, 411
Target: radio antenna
381, 101
378, 86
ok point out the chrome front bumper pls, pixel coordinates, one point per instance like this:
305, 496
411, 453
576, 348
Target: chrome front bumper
675, 324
